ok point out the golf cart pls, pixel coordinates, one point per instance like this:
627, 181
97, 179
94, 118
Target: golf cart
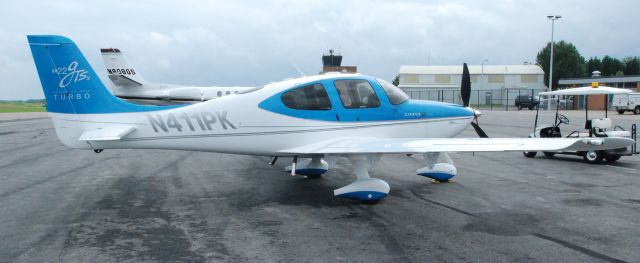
597, 127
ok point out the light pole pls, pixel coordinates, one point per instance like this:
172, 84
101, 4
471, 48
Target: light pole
553, 18
482, 82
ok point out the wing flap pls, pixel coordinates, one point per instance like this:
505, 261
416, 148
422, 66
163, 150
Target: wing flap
420, 145
111, 133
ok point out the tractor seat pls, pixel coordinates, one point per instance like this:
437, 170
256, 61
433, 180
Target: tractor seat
602, 128
601, 124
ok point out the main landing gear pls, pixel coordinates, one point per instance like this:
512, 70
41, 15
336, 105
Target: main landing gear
370, 189
365, 188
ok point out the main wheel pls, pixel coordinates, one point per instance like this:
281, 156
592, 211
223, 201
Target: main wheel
612, 158
636, 110
530, 154
549, 154
620, 111
531, 107
593, 156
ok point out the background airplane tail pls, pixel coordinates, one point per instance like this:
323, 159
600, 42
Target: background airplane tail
120, 72
69, 82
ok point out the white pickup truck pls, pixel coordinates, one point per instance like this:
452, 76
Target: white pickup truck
626, 102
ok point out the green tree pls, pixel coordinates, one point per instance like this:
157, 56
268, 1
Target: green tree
631, 66
611, 66
567, 62
396, 81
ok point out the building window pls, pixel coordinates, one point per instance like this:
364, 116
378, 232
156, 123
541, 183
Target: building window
442, 78
411, 78
474, 78
496, 78
357, 93
529, 78
311, 97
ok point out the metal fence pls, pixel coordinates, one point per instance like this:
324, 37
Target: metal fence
492, 99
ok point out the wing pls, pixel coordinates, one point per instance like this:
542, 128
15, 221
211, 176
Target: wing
420, 145
111, 133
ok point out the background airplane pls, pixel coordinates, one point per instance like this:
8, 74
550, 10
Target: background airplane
130, 85
316, 118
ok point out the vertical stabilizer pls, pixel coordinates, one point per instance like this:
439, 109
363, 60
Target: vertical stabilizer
119, 70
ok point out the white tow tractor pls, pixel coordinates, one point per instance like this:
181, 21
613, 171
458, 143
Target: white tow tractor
596, 127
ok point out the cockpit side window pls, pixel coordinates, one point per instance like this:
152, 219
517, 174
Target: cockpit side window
311, 97
395, 94
357, 93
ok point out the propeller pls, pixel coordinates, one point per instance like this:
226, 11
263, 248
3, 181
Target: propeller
465, 86
465, 93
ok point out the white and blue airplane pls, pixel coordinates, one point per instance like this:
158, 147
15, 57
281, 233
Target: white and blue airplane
129, 84
312, 119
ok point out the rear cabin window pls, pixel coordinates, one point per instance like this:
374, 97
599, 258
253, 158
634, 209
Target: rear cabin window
357, 94
311, 97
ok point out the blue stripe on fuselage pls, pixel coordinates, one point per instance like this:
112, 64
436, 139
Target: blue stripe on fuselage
421, 109
408, 110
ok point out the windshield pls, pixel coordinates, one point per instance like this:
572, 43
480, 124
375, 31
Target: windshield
395, 94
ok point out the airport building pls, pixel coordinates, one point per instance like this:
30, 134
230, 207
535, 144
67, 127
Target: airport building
490, 84
597, 102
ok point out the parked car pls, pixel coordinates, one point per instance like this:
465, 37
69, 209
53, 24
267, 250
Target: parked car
563, 103
526, 101
626, 102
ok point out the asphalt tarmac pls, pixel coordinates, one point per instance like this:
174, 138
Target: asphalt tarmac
60, 204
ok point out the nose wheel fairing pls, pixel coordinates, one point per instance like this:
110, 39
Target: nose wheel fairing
440, 172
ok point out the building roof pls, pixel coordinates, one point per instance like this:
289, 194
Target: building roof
599, 79
473, 69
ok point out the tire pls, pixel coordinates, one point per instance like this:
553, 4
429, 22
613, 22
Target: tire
612, 158
593, 157
620, 111
530, 154
530, 107
549, 154
636, 110
519, 107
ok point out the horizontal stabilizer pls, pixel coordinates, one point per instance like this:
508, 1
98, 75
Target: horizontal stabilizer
110, 133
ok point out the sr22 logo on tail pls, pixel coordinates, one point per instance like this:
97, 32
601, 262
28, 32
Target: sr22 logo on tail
70, 74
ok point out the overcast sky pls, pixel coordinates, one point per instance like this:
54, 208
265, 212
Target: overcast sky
250, 43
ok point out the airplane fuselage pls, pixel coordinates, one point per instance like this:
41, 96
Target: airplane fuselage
258, 122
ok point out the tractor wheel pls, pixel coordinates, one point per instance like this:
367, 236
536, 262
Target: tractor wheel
593, 156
